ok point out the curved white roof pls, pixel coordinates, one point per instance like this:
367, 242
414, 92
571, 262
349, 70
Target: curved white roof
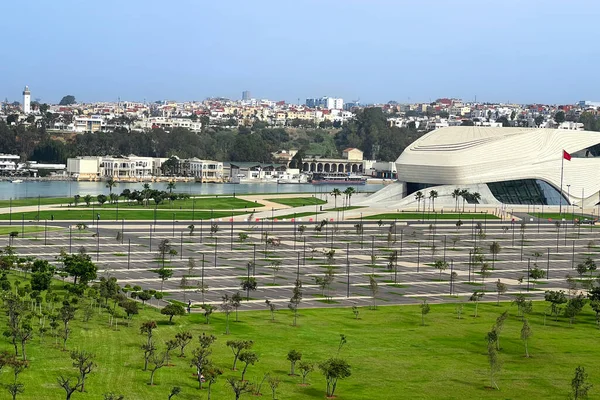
470, 155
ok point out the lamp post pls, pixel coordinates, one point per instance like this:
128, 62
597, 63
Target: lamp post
568, 195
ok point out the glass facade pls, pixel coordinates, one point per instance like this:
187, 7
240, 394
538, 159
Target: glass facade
526, 191
412, 187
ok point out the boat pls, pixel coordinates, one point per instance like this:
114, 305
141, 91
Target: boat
337, 179
17, 181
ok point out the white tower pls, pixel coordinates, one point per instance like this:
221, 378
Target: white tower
26, 100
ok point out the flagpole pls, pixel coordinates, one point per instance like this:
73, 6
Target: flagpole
562, 166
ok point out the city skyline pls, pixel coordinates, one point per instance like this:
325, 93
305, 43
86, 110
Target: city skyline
377, 51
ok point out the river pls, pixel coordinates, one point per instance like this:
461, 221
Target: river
29, 189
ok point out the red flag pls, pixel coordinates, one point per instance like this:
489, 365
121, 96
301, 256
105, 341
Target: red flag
566, 156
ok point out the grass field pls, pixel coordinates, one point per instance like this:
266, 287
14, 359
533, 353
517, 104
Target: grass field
33, 201
109, 214
344, 208
5, 230
299, 201
200, 203
297, 215
560, 217
392, 356
431, 216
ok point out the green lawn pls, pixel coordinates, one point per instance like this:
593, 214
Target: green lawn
200, 203
431, 216
297, 215
33, 201
390, 353
559, 217
203, 202
299, 201
344, 208
5, 230
110, 214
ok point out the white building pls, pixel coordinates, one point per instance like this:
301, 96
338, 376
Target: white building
84, 167
129, 168
169, 123
204, 170
504, 165
126, 167
8, 163
92, 123
26, 100
330, 103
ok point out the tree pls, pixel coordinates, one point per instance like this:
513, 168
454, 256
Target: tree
525, 335
296, 299
248, 284
272, 308
539, 120
110, 184
334, 369
208, 310
555, 298
495, 249
456, 196
164, 274
493, 359
101, 199
476, 297
84, 362
175, 390
15, 389
419, 196
171, 310
348, 192
424, 310
574, 307
227, 308
305, 369
374, 290
237, 346
236, 302
67, 100
239, 387
66, 313
499, 326
158, 361
273, 384
559, 117
579, 384
248, 358
183, 339
113, 396
211, 373
441, 266
500, 289
432, 196
335, 193
68, 386
80, 267
293, 357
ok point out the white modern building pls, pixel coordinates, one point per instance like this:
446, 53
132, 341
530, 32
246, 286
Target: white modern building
504, 165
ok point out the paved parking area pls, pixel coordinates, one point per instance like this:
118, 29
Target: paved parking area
222, 259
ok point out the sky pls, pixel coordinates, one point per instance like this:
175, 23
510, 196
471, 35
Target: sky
534, 51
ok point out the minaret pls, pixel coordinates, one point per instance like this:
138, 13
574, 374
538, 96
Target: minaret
26, 100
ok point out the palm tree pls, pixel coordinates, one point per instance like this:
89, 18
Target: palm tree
349, 192
110, 184
464, 193
455, 196
419, 196
432, 196
476, 197
171, 186
335, 193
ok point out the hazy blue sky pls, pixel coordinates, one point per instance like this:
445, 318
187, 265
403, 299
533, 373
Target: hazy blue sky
378, 50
